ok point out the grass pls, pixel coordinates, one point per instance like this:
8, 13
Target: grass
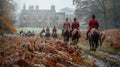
83, 45
105, 48
100, 55
104, 57
37, 30
111, 50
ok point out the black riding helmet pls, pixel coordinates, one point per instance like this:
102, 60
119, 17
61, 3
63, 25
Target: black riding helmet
75, 19
93, 16
66, 19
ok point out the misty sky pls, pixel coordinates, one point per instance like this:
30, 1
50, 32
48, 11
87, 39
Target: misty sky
45, 4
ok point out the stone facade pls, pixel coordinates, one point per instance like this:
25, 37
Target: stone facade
33, 17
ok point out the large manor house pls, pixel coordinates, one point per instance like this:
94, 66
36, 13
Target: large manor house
34, 17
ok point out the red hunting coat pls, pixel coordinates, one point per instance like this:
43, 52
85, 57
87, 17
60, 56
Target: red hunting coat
75, 25
93, 23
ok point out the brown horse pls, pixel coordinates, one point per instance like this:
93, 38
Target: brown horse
96, 39
75, 36
101, 38
54, 35
66, 35
93, 37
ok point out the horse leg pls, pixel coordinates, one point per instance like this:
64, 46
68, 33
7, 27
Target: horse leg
64, 38
67, 39
100, 41
90, 44
95, 45
77, 40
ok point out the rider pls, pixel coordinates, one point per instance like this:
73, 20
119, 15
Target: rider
42, 33
75, 25
93, 23
47, 30
43, 30
66, 25
54, 30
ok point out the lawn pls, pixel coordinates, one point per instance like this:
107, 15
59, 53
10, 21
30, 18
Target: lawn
35, 29
38, 29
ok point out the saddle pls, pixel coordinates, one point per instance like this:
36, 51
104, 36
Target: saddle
94, 33
75, 31
54, 33
64, 30
94, 30
43, 34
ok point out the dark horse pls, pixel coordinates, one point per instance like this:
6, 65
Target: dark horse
47, 34
42, 34
66, 35
75, 36
54, 35
93, 37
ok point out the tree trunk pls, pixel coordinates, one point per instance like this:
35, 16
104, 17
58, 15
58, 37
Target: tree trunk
105, 15
102, 4
114, 13
105, 19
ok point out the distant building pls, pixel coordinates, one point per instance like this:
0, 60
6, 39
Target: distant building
69, 13
33, 17
60, 15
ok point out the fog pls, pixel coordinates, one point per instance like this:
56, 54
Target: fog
44, 4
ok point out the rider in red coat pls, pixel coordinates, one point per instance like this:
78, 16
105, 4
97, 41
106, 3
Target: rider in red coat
93, 23
75, 27
66, 25
54, 29
75, 24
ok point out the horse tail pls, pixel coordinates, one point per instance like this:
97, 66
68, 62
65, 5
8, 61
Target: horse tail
95, 36
77, 33
66, 33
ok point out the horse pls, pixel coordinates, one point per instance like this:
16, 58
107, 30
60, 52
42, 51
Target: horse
21, 33
29, 34
101, 38
42, 34
66, 35
54, 35
93, 37
75, 36
47, 34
